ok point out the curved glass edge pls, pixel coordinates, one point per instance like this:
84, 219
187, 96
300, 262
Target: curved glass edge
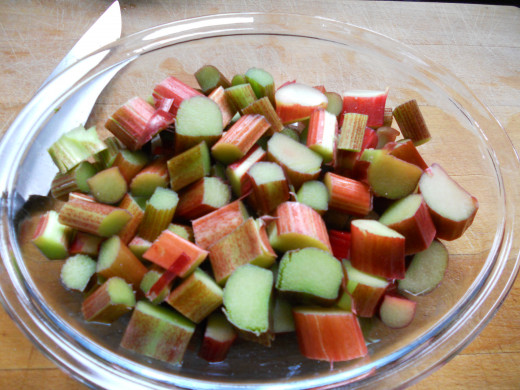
509, 164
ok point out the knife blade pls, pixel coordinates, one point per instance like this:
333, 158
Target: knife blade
106, 29
37, 164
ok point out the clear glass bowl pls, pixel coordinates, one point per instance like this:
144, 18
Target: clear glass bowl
467, 141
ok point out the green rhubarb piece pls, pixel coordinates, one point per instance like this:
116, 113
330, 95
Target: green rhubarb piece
283, 320
401, 210
107, 156
74, 147
183, 231
241, 95
198, 119
151, 177
196, 297
108, 186
158, 332
77, 271
74, 180
210, 78
291, 133
120, 292
310, 274
138, 246
51, 237
238, 79
158, 213
334, 103
262, 83
345, 301
314, 194
149, 279
371, 154
189, 166
426, 270
247, 298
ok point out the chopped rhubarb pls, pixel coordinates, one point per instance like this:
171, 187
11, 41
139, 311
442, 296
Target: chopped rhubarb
129, 231
315, 194
130, 163
340, 243
158, 213
406, 150
295, 102
52, 237
352, 132
371, 103
264, 107
397, 311
321, 136
219, 335
202, 197
411, 122
328, 334
262, 83
108, 186
85, 244
348, 195
241, 95
236, 172
167, 248
227, 108
72, 181
210, 78
149, 178
171, 92
77, 271
167, 277
269, 187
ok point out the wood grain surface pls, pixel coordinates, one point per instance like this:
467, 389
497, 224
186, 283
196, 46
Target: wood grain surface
478, 43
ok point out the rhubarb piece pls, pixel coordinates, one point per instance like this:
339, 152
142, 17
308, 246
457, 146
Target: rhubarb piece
75, 146
300, 163
241, 95
152, 176
93, 217
247, 299
129, 204
149, 280
168, 247
298, 226
183, 231
388, 117
77, 271
452, 208
158, 213
310, 275
391, 177
210, 78
236, 172
138, 246
129, 123
85, 244
189, 166
371, 103
158, 332
109, 301
202, 197
365, 289
411, 122
426, 270
227, 108
218, 338
345, 160
405, 150
396, 311
291, 133
410, 217
240, 138
295, 102
51, 236
196, 297
171, 92
238, 79
348, 195
264, 107
386, 134
345, 301
269, 187
334, 103
352, 132
262, 83
130, 163
340, 243
72, 181
314, 194
376, 249
168, 277
80, 196
328, 334
321, 135
198, 119
247, 244
115, 259
283, 321
106, 157
211, 227
108, 186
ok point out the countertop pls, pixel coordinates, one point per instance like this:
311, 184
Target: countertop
478, 43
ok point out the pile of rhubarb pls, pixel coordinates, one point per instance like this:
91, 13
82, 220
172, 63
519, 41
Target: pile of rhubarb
251, 211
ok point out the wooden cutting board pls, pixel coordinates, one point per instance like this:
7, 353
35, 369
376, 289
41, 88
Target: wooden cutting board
478, 43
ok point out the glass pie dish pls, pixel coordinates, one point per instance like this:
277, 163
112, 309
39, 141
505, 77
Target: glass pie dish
466, 140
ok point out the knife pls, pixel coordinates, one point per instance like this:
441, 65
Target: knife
75, 111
